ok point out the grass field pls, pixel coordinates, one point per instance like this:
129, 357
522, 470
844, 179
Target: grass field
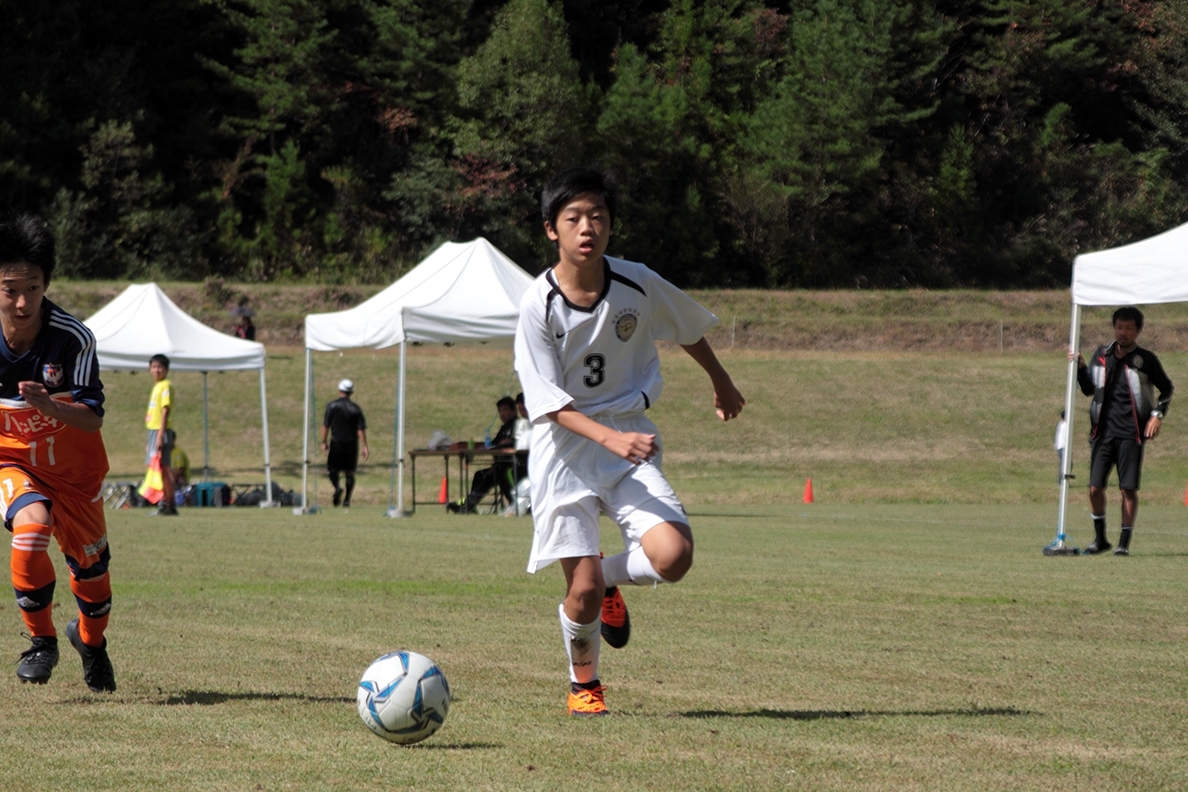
902, 633
824, 647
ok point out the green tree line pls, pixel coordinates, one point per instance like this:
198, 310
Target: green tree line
804, 143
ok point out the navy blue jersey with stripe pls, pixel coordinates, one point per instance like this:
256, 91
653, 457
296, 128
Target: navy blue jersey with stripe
63, 359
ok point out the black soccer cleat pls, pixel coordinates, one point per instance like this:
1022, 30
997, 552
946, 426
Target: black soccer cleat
97, 670
38, 661
1096, 547
1122, 551
616, 624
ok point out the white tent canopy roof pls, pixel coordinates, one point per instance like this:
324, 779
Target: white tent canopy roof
463, 292
1151, 271
142, 321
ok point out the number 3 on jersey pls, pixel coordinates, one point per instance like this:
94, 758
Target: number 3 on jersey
596, 364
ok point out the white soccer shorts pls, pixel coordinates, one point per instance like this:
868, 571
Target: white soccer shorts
575, 479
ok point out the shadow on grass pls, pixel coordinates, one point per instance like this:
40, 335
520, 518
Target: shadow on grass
811, 715
430, 745
209, 698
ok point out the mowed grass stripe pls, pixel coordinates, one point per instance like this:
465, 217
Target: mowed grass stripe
852, 646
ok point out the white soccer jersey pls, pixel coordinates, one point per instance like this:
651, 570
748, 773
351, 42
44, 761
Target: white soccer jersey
603, 358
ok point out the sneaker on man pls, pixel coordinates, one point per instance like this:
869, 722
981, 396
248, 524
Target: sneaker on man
583, 703
1122, 551
616, 624
97, 670
1096, 548
38, 661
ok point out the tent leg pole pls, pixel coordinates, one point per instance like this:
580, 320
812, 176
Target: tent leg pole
267, 456
305, 439
205, 433
392, 512
398, 442
1059, 547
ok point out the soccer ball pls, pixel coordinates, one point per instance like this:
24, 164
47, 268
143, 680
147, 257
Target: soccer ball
403, 697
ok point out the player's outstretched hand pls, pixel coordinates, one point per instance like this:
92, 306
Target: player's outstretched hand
632, 446
728, 401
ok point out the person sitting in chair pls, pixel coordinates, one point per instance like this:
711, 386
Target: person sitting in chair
499, 474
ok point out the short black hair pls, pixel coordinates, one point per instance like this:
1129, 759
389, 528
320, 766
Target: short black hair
26, 239
506, 401
1131, 313
566, 185
520, 397
164, 361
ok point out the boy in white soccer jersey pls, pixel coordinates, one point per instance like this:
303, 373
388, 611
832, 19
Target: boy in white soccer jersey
586, 356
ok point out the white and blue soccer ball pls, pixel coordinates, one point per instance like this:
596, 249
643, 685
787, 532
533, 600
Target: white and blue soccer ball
403, 697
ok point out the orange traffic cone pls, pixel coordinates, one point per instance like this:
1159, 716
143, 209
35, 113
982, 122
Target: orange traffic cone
808, 490
1186, 494
443, 496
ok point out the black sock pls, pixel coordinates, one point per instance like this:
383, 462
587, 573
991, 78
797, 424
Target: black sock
1124, 540
577, 687
1099, 529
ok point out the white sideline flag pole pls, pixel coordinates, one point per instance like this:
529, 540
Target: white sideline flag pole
1074, 345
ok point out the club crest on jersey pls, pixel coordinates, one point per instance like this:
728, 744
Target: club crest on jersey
1137, 360
52, 374
625, 323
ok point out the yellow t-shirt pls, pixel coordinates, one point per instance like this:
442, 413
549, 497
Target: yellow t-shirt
179, 460
161, 398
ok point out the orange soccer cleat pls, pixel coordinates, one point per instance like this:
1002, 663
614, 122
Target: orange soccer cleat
584, 703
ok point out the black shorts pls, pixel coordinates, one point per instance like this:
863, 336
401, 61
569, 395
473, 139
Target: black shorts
342, 461
1126, 454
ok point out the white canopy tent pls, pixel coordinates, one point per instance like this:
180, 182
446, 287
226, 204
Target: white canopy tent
463, 292
142, 321
1152, 271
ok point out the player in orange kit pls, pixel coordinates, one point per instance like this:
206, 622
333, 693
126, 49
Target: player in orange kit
52, 459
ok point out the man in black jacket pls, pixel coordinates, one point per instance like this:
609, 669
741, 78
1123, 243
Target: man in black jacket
1122, 379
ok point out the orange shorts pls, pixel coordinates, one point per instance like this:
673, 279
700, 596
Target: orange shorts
78, 523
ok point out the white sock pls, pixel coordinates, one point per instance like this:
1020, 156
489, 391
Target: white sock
632, 568
582, 643
640, 569
614, 570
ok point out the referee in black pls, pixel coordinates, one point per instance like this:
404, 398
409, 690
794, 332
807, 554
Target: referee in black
346, 429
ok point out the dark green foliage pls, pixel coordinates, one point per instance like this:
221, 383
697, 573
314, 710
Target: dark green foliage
791, 143
122, 224
670, 128
523, 114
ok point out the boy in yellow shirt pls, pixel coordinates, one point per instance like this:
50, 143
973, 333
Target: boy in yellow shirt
160, 440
